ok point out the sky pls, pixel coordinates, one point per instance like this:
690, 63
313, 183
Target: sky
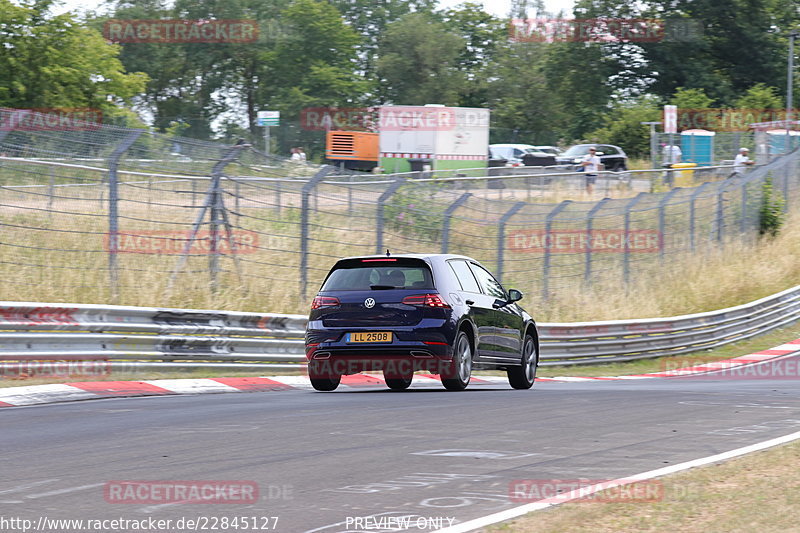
495, 7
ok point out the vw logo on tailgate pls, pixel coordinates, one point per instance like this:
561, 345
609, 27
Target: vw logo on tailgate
369, 303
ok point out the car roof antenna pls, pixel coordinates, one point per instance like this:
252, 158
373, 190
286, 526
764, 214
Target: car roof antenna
388, 253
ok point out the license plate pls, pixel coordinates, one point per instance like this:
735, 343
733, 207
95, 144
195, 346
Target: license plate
370, 336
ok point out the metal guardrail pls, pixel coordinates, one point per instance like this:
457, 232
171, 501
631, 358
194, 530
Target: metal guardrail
184, 338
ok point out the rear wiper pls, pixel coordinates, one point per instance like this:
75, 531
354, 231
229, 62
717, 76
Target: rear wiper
382, 287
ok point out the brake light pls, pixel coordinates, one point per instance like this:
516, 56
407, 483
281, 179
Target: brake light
324, 301
426, 300
377, 260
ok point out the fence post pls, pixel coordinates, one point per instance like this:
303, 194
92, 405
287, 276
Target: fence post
278, 196
548, 226
446, 222
743, 221
626, 258
721, 207
694, 196
589, 223
349, 196
214, 202
304, 209
398, 182
51, 192
501, 236
662, 219
113, 209
786, 168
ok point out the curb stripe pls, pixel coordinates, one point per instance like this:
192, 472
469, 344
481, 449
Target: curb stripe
252, 384
192, 386
120, 388
41, 394
355, 380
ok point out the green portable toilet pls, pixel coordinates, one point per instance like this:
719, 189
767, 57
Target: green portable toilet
697, 147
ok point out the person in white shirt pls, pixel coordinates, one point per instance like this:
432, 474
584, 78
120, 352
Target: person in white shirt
741, 161
671, 154
591, 164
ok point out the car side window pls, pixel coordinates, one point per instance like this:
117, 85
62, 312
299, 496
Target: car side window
610, 150
490, 286
464, 276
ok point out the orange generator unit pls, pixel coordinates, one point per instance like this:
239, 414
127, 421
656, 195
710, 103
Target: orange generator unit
354, 150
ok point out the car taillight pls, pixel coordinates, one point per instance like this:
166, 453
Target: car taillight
426, 300
324, 301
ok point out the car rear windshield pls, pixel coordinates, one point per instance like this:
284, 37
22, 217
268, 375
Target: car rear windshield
379, 274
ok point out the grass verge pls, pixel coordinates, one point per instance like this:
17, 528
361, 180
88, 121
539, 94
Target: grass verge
758, 492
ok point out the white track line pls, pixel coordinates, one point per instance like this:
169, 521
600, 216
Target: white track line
582, 492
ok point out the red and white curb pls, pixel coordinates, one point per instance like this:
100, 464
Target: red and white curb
66, 392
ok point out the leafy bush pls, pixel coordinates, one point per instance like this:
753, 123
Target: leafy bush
412, 212
770, 214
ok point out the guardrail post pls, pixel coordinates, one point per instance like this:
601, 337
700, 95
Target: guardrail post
398, 182
113, 209
626, 258
446, 222
501, 236
662, 219
589, 223
692, 211
548, 226
304, 209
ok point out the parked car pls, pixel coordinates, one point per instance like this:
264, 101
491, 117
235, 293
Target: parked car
399, 314
550, 150
515, 154
612, 157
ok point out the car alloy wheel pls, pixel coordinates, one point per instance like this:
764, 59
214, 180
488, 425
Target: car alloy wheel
461, 369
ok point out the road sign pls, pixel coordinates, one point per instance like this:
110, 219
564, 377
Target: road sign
268, 118
670, 119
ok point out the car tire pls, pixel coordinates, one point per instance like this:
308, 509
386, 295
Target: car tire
321, 379
524, 375
459, 371
398, 382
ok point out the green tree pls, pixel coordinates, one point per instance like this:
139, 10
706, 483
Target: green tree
418, 62
524, 107
624, 126
739, 43
484, 36
691, 99
760, 96
370, 19
54, 61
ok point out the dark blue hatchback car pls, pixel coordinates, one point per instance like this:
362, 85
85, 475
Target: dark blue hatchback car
399, 314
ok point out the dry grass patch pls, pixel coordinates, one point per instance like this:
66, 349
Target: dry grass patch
758, 492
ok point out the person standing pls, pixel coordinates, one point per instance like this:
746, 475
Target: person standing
591, 164
741, 161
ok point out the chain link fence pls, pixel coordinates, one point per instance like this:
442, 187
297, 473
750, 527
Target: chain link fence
133, 217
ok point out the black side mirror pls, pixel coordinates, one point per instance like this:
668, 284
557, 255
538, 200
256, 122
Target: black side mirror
514, 295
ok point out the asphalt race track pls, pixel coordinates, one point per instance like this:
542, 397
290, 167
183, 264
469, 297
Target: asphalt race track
321, 460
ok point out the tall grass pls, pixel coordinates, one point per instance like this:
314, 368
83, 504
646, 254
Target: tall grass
35, 231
